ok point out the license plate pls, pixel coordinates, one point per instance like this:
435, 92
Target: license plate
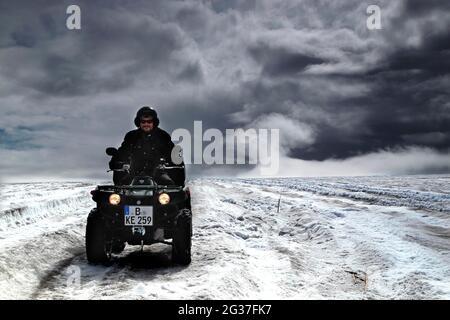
138, 215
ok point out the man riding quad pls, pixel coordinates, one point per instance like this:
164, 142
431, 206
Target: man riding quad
144, 147
148, 202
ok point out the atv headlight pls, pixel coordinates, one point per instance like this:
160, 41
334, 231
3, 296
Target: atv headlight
164, 198
114, 199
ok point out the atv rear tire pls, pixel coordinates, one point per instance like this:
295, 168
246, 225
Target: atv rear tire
181, 243
96, 250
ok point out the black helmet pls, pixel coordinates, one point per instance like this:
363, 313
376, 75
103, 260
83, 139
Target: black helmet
146, 112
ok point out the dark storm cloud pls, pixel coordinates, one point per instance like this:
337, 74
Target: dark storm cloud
240, 5
431, 58
419, 7
24, 37
279, 61
192, 73
410, 94
408, 97
115, 47
309, 68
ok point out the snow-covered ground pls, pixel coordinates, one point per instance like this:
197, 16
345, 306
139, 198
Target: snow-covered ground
333, 238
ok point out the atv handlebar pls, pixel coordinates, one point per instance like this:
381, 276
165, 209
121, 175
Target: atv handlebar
126, 168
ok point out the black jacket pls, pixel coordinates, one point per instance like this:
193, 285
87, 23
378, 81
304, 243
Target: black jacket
144, 151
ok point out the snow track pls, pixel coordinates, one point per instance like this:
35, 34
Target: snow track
333, 238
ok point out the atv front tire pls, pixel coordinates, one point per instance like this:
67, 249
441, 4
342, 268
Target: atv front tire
181, 242
96, 249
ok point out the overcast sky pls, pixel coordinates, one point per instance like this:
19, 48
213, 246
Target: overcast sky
347, 100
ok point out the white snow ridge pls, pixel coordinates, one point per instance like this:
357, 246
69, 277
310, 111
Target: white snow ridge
330, 238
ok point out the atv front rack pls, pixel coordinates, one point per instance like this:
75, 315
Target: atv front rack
147, 187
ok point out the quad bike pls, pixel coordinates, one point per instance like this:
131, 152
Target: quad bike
140, 213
